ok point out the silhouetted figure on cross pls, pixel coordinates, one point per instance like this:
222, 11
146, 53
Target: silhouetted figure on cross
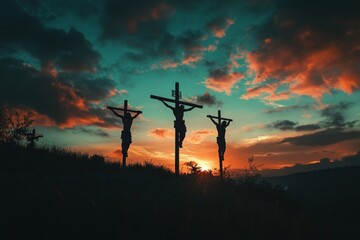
221, 129
127, 120
179, 123
221, 125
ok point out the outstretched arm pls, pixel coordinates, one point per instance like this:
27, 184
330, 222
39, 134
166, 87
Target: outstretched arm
189, 109
227, 123
117, 113
167, 105
137, 114
213, 121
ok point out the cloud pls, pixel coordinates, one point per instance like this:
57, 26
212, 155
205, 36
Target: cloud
285, 125
208, 99
334, 115
308, 48
334, 118
162, 133
189, 43
322, 138
282, 125
308, 127
287, 108
222, 80
132, 17
51, 10
61, 100
219, 26
56, 48
266, 92
198, 136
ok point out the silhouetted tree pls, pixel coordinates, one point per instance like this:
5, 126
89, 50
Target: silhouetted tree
193, 167
14, 127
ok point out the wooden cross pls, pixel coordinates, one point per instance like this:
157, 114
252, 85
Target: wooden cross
125, 110
177, 94
219, 118
32, 137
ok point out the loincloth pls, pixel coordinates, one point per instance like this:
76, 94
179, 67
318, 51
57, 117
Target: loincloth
180, 125
221, 141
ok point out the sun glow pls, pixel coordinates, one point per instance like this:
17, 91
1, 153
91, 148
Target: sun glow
204, 167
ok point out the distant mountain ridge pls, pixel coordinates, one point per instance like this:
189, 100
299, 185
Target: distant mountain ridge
324, 163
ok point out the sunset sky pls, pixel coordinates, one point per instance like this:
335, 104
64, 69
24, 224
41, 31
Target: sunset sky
286, 72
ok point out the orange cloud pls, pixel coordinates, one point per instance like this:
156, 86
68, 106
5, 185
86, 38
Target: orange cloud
155, 13
192, 58
220, 26
162, 133
222, 81
303, 68
197, 137
267, 92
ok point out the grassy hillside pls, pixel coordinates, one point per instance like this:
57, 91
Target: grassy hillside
333, 195
50, 193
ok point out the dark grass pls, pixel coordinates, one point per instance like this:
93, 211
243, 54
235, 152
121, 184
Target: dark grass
52, 193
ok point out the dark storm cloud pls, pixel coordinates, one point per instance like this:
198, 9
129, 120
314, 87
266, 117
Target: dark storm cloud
134, 17
308, 127
286, 125
87, 86
25, 87
209, 100
70, 51
49, 10
334, 115
287, 108
312, 46
65, 102
282, 125
334, 118
323, 138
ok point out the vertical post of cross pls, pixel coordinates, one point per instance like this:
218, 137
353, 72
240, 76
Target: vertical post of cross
177, 157
124, 155
220, 160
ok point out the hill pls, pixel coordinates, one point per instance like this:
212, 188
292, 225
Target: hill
332, 194
51, 193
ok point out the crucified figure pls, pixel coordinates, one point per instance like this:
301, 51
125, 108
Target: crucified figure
179, 123
127, 120
221, 129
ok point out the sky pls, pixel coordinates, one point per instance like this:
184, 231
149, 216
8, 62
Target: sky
286, 72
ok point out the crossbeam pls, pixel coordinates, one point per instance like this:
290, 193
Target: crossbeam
174, 101
226, 119
122, 109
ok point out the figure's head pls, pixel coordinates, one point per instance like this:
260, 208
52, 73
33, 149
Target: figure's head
181, 106
223, 123
128, 115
